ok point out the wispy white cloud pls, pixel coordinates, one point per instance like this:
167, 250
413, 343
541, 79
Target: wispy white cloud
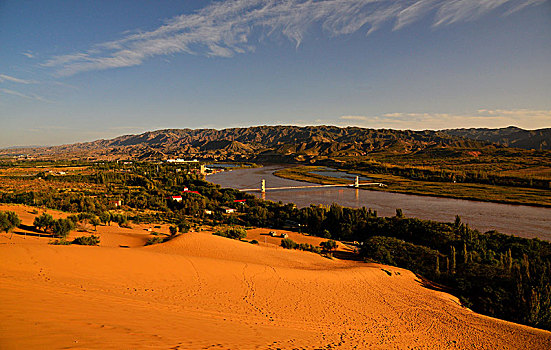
28, 54
22, 95
227, 28
4, 77
14, 93
492, 118
9, 79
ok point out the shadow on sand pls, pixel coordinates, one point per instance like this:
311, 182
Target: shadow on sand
33, 232
347, 255
433, 285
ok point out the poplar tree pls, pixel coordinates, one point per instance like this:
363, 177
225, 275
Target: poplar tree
452, 256
509, 261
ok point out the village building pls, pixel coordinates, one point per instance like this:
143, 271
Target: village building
228, 210
116, 204
175, 198
186, 190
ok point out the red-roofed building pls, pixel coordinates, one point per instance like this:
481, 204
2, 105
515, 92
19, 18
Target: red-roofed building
188, 191
175, 198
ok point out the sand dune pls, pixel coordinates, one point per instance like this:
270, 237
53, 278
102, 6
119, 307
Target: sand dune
200, 291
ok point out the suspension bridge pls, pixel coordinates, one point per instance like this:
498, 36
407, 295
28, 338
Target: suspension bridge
356, 184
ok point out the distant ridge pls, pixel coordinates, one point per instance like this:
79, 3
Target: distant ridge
25, 147
511, 136
259, 143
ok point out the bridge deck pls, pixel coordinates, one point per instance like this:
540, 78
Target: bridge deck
312, 186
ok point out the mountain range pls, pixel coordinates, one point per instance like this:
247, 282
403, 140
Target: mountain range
511, 136
288, 143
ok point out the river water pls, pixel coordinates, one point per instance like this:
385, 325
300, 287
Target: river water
521, 220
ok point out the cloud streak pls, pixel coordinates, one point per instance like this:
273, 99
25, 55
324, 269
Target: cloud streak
28, 54
227, 28
11, 79
22, 95
491, 118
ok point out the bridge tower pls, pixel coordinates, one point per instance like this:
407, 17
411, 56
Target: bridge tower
263, 186
357, 182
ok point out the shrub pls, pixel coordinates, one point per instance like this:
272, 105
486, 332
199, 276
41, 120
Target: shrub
95, 221
233, 233
8, 221
316, 250
122, 220
254, 241
73, 218
184, 226
125, 224
154, 240
105, 217
59, 242
62, 227
86, 240
237, 233
44, 222
288, 243
173, 230
329, 245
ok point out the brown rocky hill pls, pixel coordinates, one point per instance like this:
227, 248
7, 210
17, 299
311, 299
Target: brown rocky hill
263, 143
509, 137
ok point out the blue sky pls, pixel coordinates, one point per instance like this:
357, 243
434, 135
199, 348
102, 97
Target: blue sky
73, 71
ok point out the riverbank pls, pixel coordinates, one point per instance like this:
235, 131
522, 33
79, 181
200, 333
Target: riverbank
397, 184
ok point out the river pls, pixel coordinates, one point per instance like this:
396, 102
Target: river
521, 220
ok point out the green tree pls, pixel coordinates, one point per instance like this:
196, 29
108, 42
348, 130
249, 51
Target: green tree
173, 230
452, 258
105, 218
44, 222
288, 243
62, 227
329, 245
94, 221
8, 221
457, 222
184, 226
509, 261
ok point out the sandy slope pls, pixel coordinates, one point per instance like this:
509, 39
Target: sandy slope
200, 291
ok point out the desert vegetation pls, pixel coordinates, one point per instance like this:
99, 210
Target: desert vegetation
8, 221
288, 243
232, 232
